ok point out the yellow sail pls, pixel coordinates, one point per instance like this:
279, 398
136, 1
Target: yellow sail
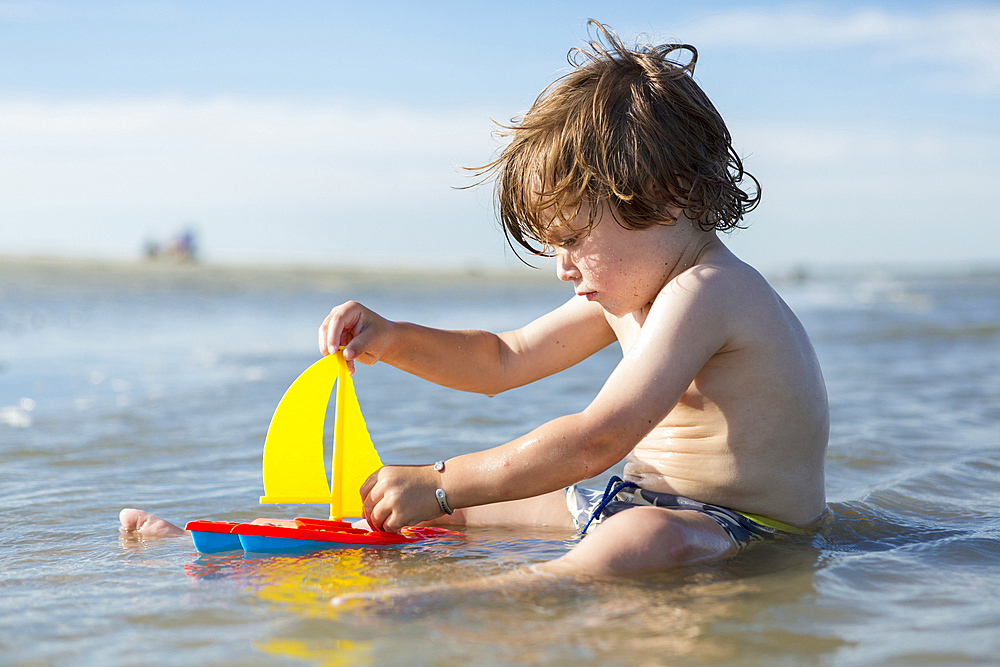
294, 470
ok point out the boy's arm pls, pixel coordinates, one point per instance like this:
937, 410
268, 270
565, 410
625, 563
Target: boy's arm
686, 325
476, 361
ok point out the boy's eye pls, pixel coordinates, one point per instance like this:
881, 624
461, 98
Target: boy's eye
568, 242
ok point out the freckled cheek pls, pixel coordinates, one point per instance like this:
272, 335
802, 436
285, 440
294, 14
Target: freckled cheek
593, 270
584, 263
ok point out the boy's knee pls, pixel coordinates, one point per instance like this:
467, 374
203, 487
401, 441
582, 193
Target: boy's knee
649, 538
651, 534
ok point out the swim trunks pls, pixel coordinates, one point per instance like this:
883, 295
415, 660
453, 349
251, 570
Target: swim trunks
589, 507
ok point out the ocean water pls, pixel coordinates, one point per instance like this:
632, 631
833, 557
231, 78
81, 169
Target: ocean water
152, 387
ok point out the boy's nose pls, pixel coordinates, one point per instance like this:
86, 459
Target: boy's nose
565, 269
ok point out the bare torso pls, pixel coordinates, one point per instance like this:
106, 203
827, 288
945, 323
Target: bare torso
751, 430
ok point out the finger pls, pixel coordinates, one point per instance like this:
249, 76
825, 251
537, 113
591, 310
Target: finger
349, 326
324, 348
369, 484
391, 524
366, 509
335, 328
378, 516
369, 497
349, 333
333, 335
358, 345
394, 523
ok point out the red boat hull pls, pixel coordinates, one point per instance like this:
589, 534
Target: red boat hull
264, 535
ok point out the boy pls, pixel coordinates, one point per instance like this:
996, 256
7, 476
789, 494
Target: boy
624, 171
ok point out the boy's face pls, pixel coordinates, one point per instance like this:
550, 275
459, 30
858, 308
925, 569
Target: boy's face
621, 269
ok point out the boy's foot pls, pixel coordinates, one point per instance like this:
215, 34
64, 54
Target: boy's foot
147, 525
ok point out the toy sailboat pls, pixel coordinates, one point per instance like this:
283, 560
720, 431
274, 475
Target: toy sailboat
294, 473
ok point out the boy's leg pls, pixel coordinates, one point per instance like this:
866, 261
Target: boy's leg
639, 539
643, 539
545, 511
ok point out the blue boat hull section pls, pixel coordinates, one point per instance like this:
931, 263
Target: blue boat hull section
208, 543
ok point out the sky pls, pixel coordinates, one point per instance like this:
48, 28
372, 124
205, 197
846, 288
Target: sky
337, 133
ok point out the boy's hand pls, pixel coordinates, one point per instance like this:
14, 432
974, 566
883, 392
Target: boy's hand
365, 334
399, 496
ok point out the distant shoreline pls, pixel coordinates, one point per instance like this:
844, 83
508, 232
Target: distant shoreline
256, 276
173, 273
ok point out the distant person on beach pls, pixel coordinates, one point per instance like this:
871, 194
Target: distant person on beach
624, 172
183, 247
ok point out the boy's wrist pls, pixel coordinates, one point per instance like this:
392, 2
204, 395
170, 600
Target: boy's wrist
440, 495
395, 343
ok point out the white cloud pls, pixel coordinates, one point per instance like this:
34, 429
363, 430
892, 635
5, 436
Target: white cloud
215, 150
229, 121
278, 178
869, 194
965, 38
797, 146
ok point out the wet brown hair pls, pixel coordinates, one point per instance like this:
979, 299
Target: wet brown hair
627, 127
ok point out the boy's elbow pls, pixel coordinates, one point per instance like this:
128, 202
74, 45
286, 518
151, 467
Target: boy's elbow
604, 444
499, 379
489, 387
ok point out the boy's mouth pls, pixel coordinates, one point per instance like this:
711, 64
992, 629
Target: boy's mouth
589, 296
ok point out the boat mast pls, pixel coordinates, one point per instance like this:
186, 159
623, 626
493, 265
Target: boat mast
336, 467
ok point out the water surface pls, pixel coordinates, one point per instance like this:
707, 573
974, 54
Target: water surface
153, 387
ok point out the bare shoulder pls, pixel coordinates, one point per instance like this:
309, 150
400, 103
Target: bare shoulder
724, 275
724, 289
764, 341
731, 304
